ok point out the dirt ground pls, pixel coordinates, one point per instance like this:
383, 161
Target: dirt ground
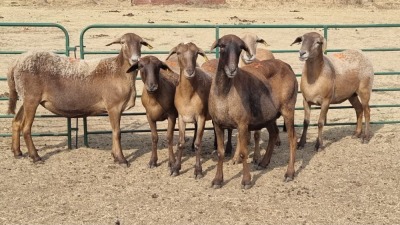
346, 183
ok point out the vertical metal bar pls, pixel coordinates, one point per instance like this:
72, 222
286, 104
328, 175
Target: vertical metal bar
216, 38
69, 133
326, 37
85, 132
76, 132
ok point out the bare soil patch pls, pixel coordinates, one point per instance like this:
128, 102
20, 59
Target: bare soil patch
346, 183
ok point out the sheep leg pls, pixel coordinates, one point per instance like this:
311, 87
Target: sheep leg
306, 122
181, 146
198, 171
170, 139
278, 140
30, 107
288, 115
154, 142
321, 123
219, 176
16, 131
228, 147
243, 150
365, 97
273, 132
257, 150
194, 136
115, 120
359, 112
237, 158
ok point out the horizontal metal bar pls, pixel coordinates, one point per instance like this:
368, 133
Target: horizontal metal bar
39, 134
211, 128
20, 52
37, 116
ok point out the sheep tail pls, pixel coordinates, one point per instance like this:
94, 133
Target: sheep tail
12, 102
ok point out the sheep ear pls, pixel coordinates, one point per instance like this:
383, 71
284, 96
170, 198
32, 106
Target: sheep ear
146, 44
202, 53
134, 67
116, 41
173, 51
215, 44
324, 45
297, 41
165, 67
262, 41
246, 48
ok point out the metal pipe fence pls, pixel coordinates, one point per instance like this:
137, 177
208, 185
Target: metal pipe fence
66, 51
217, 30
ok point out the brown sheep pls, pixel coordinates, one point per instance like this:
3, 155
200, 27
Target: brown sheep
326, 80
251, 98
191, 98
73, 88
256, 55
158, 100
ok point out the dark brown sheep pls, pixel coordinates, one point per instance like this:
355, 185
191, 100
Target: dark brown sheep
158, 100
73, 88
256, 55
251, 98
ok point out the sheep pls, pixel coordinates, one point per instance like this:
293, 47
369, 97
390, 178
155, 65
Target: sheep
256, 54
73, 88
191, 98
158, 100
326, 80
250, 98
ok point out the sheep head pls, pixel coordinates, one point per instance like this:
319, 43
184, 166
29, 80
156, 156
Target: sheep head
230, 48
187, 54
312, 45
149, 67
251, 41
131, 46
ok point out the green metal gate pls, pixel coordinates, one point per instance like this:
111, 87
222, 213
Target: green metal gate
218, 29
3, 78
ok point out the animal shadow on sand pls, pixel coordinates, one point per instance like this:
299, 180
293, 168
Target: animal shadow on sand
280, 155
331, 135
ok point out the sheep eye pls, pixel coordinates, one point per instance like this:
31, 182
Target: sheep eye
319, 42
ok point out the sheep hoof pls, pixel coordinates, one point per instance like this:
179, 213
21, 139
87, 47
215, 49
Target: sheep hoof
152, 165
300, 146
18, 155
216, 184
246, 185
124, 164
288, 178
174, 173
260, 167
278, 143
365, 141
37, 160
198, 176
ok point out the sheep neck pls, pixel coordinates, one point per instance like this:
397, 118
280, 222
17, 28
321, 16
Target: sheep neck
222, 82
313, 68
187, 86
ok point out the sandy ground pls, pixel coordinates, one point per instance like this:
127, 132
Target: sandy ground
346, 183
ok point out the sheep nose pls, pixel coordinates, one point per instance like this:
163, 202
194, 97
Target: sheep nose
190, 71
153, 87
302, 53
